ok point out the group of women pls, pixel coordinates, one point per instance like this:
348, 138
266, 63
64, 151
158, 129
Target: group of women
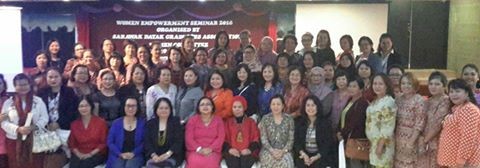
252, 106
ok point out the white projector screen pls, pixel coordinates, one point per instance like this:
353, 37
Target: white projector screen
11, 44
357, 20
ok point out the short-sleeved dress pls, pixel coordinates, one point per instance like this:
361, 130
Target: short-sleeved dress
381, 125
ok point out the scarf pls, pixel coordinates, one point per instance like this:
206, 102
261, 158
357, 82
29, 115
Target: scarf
23, 148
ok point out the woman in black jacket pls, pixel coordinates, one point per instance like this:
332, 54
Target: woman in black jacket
313, 136
164, 138
62, 111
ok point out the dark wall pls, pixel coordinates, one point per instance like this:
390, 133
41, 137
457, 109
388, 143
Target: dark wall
429, 31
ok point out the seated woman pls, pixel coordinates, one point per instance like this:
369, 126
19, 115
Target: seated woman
277, 131
88, 137
313, 138
204, 136
125, 138
164, 137
242, 137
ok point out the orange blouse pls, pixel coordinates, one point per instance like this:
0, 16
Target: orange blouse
459, 142
223, 102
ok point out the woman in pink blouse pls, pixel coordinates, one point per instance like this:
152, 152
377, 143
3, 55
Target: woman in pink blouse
459, 144
204, 136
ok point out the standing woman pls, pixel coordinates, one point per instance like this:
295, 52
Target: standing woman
366, 49
277, 136
17, 108
188, 95
295, 91
143, 56
459, 144
313, 138
345, 63
265, 53
108, 47
163, 88
130, 51
37, 74
221, 64
222, 42
388, 56
3, 145
80, 81
437, 107
164, 139
324, 50
242, 137
155, 53
78, 50
88, 137
283, 63
352, 121
268, 87
220, 94
380, 125
175, 63
290, 43
346, 44
365, 72
316, 83
244, 86
470, 74
335, 102
125, 138
204, 136
106, 100
58, 98
117, 66
410, 122
136, 87
329, 74
250, 58
188, 48
53, 53
89, 60
308, 63
201, 66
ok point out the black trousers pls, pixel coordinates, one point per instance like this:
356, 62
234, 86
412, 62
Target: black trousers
91, 162
246, 161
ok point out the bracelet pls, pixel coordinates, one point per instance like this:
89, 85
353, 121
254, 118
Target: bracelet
199, 148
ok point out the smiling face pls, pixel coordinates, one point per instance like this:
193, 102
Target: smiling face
365, 46
307, 41
276, 106
308, 61
295, 77
163, 110
341, 82
290, 45
107, 46
78, 51
143, 55
175, 56
311, 108
395, 74
242, 75
345, 45
248, 55
406, 86
364, 71
41, 61
22, 87
268, 74
379, 86
323, 39
216, 81
345, 62
189, 44
386, 44
329, 72
458, 96
205, 107
436, 87
155, 51
108, 81
84, 108
354, 89
470, 76
130, 107
81, 75
130, 50
266, 44
221, 59
138, 76
201, 57
190, 78
54, 48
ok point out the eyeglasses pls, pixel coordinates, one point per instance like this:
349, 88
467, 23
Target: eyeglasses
131, 106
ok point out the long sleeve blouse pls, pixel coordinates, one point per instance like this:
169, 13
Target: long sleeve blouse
154, 93
10, 125
223, 102
87, 139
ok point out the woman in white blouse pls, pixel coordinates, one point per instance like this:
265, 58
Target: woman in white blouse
18, 128
163, 88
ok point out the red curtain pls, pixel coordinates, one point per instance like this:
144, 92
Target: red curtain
83, 29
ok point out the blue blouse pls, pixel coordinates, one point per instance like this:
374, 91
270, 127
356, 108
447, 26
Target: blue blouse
264, 97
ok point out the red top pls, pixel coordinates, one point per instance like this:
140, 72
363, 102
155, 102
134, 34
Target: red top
223, 102
90, 138
459, 141
249, 133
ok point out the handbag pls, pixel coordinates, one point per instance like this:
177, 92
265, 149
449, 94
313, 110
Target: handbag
45, 140
358, 149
